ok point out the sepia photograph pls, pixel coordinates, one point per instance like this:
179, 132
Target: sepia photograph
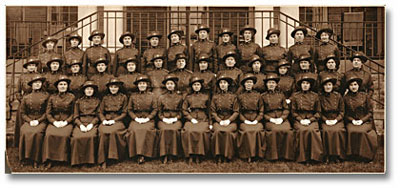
112, 89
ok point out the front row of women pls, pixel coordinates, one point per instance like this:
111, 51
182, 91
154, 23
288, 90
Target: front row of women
251, 125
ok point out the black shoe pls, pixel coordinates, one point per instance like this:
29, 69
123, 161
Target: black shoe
48, 165
141, 160
103, 165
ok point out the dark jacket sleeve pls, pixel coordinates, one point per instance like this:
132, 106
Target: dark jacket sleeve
130, 108
369, 107
285, 106
71, 110
185, 109
260, 108
213, 111
160, 107
317, 108
101, 111
123, 110
154, 108
76, 114
235, 110
23, 111
49, 107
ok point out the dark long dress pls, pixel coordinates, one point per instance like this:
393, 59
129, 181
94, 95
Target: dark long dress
306, 105
56, 145
141, 137
196, 137
251, 137
224, 105
112, 144
84, 144
280, 139
333, 137
156, 77
362, 139
33, 107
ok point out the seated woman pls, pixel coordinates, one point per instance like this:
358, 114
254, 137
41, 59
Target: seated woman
112, 111
279, 133
170, 113
332, 113
224, 111
196, 132
306, 111
84, 141
251, 131
361, 133
142, 109
33, 115
60, 113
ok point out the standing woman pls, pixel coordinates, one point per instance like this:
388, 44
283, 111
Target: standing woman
33, 113
248, 48
112, 111
142, 134
305, 68
306, 111
361, 133
256, 70
157, 75
183, 74
196, 132
176, 48
332, 114
95, 52
202, 46
49, 45
286, 82
59, 113
251, 132
170, 113
84, 141
358, 59
129, 77
74, 52
331, 70
280, 140
273, 52
53, 74
325, 48
234, 73
76, 76
146, 62
101, 77
209, 78
224, 47
224, 111
122, 55
298, 48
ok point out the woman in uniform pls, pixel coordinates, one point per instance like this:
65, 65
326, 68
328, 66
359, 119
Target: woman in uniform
146, 62
49, 45
74, 52
331, 70
196, 132
248, 48
251, 131
280, 140
234, 73
305, 68
76, 76
157, 75
224, 47
142, 109
112, 111
298, 48
129, 77
33, 114
273, 52
101, 77
54, 72
60, 115
208, 77
361, 134
286, 82
122, 55
176, 48
84, 140
358, 59
306, 111
202, 46
332, 113
95, 52
224, 109
256, 70
183, 74
325, 48
169, 114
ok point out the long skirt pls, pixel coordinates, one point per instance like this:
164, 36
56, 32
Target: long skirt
84, 146
169, 138
112, 144
31, 141
362, 140
250, 141
142, 139
196, 138
17, 128
280, 141
334, 139
309, 142
223, 140
56, 144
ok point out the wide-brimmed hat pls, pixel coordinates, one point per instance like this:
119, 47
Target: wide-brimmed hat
283, 62
62, 78
157, 56
96, 32
334, 57
48, 39
114, 81
271, 76
90, 83
224, 77
180, 56
327, 78
253, 59
74, 62
248, 76
100, 60
36, 78
307, 77
127, 33
130, 59
324, 28
75, 36
225, 31
248, 27
299, 28
203, 57
202, 27
55, 58
360, 55
196, 79
31, 60
351, 78
178, 32
172, 77
154, 34
141, 78
304, 57
272, 31
229, 54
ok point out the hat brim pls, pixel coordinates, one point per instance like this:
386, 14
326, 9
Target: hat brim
363, 58
48, 40
141, 80
311, 80
172, 79
43, 79
119, 83
358, 80
229, 33
201, 82
251, 29
76, 37
94, 86
59, 61
299, 29
277, 32
229, 80
65, 79
158, 36
275, 79
32, 62
230, 55
121, 38
327, 30
102, 35
198, 30
333, 80
250, 78
180, 34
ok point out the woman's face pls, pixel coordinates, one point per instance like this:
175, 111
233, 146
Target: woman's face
74, 42
180, 63
324, 37
273, 39
154, 41
158, 63
89, 91
75, 68
142, 85
50, 45
203, 34
127, 41
230, 61
96, 39
271, 85
36, 85
304, 65
328, 87
226, 38
299, 36
131, 66
113, 88
283, 70
256, 66
196, 86
170, 85
331, 64
31, 67
357, 63
248, 85
203, 65
62, 86
305, 85
54, 66
223, 85
101, 67
353, 87
175, 38
247, 34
